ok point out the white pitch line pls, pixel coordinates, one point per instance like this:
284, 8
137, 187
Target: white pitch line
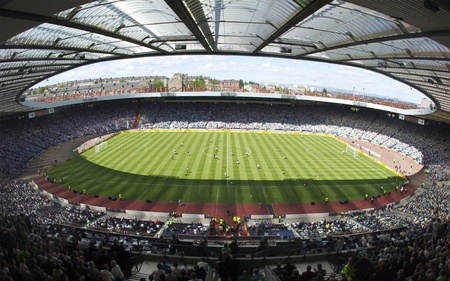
137, 150
265, 197
227, 160
188, 197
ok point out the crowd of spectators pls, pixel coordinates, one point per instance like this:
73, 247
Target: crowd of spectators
19, 199
127, 226
419, 213
175, 272
420, 250
403, 238
29, 253
290, 272
261, 228
432, 203
71, 215
412, 254
324, 228
193, 228
42, 240
23, 139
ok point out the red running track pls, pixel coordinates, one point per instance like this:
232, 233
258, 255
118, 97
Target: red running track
388, 157
219, 210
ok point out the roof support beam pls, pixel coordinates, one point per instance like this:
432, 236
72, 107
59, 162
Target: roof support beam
427, 71
18, 76
61, 22
59, 48
437, 33
42, 59
35, 66
302, 15
178, 7
202, 20
425, 79
407, 58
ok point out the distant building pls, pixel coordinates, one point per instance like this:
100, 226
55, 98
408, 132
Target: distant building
148, 83
191, 79
250, 87
178, 82
271, 87
297, 89
230, 85
209, 86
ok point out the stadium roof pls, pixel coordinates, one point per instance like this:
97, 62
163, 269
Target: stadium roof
407, 40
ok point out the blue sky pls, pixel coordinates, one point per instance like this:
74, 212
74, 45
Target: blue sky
282, 71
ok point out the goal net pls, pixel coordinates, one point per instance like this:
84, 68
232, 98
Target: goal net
352, 150
101, 146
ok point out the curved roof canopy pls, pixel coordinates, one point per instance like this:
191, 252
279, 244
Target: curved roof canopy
407, 40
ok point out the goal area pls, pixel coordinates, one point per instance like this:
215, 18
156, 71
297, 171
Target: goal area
101, 146
352, 150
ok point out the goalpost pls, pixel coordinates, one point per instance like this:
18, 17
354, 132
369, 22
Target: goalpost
352, 150
101, 146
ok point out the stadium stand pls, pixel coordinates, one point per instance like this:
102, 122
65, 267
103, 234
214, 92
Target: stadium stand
25, 139
40, 237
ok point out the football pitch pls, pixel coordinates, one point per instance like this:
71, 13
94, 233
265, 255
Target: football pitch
225, 167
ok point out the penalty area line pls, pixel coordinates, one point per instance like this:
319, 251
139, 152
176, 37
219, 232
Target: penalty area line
137, 150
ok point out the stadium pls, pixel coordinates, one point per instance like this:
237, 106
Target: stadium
221, 178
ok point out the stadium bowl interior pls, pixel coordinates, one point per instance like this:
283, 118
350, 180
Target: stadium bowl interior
406, 40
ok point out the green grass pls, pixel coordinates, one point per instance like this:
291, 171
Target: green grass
138, 166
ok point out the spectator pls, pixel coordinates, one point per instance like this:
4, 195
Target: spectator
348, 270
116, 271
320, 270
93, 272
203, 264
332, 277
244, 276
176, 271
186, 267
278, 270
200, 272
400, 275
289, 267
194, 277
183, 276
164, 265
296, 276
319, 277
155, 276
308, 274
285, 275
58, 274
170, 276
258, 275
105, 274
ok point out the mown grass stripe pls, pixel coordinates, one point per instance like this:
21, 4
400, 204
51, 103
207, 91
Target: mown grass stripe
147, 172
